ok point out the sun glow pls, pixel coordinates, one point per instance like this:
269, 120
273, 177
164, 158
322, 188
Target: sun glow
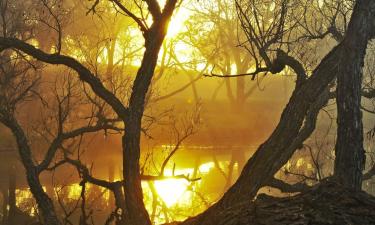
174, 191
180, 16
177, 24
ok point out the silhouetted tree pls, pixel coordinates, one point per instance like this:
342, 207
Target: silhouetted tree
297, 120
130, 115
350, 154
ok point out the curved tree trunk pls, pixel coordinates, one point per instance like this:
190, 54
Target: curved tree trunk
45, 204
289, 134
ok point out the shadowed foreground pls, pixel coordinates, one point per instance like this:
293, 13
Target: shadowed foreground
326, 203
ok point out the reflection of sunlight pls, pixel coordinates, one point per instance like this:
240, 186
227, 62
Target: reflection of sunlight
171, 190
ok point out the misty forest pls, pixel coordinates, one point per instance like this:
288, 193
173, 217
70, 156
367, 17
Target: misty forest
187, 112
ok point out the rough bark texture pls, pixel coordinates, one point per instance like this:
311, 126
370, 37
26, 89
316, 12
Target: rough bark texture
350, 154
326, 203
276, 151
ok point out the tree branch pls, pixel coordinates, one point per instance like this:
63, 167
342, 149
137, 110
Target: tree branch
84, 73
253, 74
140, 23
58, 141
154, 8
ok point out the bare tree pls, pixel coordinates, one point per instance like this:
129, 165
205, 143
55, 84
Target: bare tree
131, 115
297, 120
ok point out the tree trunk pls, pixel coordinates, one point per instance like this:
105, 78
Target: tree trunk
131, 140
154, 37
135, 207
290, 132
323, 204
350, 155
119, 201
45, 204
132, 115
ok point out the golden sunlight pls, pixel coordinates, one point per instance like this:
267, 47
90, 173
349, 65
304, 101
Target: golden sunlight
151, 111
178, 20
171, 190
22, 195
174, 191
74, 191
206, 167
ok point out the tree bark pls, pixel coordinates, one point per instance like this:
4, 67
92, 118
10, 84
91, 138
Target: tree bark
282, 143
120, 204
131, 140
132, 116
350, 154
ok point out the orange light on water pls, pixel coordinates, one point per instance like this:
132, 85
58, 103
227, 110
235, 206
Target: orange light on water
172, 191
